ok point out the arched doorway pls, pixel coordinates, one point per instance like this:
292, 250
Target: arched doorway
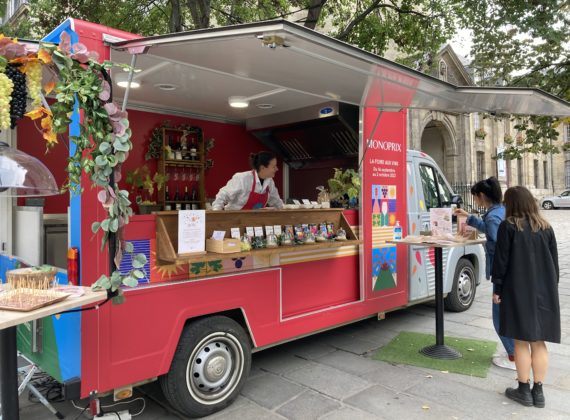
433, 142
438, 141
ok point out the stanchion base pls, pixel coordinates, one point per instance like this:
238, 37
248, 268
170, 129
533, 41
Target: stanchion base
440, 351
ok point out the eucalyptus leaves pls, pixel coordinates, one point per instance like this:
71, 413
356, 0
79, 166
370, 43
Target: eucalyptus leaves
79, 82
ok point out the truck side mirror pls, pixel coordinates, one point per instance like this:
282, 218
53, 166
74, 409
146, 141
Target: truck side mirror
457, 200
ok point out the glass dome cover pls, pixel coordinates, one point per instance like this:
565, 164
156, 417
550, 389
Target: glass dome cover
22, 175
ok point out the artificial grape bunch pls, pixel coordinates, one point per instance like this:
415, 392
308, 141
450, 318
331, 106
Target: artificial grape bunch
18, 103
6, 87
34, 81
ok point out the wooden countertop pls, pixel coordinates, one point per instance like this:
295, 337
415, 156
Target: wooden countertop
13, 318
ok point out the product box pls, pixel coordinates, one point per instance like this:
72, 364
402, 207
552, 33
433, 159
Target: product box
226, 246
463, 229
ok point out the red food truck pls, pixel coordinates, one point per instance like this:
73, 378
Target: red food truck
194, 320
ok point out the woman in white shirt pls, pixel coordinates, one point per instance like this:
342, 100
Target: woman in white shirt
253, 189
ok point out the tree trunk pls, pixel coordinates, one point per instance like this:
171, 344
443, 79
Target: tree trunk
314, 13
175, 21
200, 12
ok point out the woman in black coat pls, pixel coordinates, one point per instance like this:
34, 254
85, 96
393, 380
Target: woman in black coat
525, 274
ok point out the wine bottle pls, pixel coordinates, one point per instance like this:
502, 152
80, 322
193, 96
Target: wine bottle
186, 195
166, 194
176, 194
194, 193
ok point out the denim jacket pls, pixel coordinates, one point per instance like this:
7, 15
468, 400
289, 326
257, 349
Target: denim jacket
489, 225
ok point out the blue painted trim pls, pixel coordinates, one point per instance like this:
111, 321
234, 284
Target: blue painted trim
65, 26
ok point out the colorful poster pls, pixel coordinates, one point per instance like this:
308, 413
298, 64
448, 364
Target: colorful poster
384, 202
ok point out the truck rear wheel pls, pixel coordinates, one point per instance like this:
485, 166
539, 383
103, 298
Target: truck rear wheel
464, 287
210, 366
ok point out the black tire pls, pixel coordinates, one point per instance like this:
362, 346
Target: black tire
547, 205
464, 287
210, 366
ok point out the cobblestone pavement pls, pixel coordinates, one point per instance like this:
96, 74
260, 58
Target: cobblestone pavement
332, 376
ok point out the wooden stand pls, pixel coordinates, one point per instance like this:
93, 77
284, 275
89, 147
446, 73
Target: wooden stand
167, 231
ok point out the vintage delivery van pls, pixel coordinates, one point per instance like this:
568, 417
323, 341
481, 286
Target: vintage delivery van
194, 321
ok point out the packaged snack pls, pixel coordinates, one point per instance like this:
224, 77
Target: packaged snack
245, 244
340, 234
286, 239
299, 232
313, 228
272, 241
309, 238
330, 230
320, 237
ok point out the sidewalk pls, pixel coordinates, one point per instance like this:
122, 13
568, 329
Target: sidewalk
332, 376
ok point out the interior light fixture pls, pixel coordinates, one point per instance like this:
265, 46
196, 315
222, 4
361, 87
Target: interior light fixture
166, 86
238, 101
122, 80
22, 175
243, 101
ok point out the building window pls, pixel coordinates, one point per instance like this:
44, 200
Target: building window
507, 125
476, 121
535, 167
480, 166
545, 172
442, 70
520, 178
509, 173
567, 173
567, 132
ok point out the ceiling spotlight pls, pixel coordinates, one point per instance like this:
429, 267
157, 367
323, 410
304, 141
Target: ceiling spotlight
238, 101
122, 80
166, 86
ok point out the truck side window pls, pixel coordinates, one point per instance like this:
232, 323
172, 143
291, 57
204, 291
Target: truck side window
429, 185
444, 191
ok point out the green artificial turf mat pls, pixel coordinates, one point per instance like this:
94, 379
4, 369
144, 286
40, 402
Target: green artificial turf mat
405, 349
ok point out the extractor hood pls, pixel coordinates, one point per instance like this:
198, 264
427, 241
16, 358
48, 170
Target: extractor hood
325, 131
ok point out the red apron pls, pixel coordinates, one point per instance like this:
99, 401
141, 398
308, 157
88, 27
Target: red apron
256, 200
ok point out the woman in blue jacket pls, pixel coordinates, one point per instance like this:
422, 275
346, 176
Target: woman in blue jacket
488, 194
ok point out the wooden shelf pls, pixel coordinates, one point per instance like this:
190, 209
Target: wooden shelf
167, 231
191, 163
195, 137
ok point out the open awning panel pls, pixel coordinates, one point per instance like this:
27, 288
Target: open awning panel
206, 67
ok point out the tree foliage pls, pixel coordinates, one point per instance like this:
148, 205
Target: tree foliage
515, 43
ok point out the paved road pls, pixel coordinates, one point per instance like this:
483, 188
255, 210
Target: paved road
332, 376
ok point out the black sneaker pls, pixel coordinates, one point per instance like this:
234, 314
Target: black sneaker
538, 395
522, 394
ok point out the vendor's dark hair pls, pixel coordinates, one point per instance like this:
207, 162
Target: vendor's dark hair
491, 188
261, 159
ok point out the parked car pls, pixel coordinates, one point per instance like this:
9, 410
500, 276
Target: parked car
554, 201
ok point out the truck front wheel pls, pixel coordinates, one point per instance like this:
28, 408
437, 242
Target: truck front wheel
464, 287
210, 366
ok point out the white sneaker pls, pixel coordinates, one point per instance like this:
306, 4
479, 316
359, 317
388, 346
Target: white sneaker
504, 362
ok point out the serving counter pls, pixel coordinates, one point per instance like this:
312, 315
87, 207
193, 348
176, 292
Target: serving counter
167, 232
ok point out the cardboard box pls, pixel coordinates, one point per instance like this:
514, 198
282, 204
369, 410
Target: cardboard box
227, 246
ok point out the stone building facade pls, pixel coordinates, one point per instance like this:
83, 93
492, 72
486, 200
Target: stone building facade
464, 145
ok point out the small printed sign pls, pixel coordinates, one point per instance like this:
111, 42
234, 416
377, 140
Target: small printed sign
191, 231
235, 232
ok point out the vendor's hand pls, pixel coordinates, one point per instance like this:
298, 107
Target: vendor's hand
460, 212
496, 298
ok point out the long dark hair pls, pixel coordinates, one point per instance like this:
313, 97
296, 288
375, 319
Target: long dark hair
489, 187
520, 207
257, 160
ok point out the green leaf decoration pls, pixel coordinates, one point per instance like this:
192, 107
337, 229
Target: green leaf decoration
196, 268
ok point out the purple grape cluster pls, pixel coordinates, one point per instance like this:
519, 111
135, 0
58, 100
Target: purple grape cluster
18, 102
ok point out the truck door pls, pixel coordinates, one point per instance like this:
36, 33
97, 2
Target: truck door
431, 191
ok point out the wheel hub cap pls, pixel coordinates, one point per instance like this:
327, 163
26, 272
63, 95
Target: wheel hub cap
215, 368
